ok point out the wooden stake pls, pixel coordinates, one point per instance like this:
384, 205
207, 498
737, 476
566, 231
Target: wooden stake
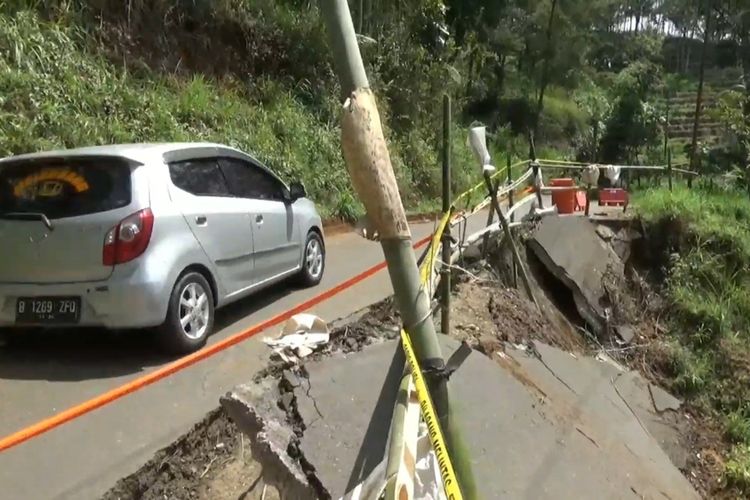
490, 219
669, 168
445, 271
514, 268
509, 236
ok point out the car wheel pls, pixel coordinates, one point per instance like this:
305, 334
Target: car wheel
190, 316
313, 260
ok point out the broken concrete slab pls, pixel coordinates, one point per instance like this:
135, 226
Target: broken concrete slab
571, 249
619, 234
254, 408
612, 403
347, 405
625, 332
534, 429
663, 400
605, 232
666, 429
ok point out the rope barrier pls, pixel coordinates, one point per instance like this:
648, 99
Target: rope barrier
563, 165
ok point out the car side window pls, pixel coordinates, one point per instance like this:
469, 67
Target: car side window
249, 181
201, 177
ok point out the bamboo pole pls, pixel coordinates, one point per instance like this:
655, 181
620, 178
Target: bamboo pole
445, 271
513, 249
369, 165
588, 200
514, 270
537, 183
402, 446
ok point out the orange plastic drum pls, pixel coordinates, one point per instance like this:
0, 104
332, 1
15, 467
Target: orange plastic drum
564, 199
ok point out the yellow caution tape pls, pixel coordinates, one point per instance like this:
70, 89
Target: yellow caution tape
429, 261
450, 482
481, 185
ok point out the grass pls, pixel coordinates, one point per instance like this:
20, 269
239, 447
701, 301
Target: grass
705, 243
738, 466
59, 93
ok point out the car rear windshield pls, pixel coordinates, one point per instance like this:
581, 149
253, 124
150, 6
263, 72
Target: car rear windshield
64, 188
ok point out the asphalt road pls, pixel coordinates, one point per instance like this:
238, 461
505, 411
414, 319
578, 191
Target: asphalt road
47, 373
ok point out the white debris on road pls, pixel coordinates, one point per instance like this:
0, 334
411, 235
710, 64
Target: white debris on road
301, 335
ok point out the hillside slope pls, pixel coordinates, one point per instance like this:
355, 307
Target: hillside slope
63, 86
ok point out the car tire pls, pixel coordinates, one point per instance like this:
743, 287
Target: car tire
313, 260
190, 316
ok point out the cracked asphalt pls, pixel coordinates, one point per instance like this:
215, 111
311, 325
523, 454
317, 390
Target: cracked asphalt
48, 373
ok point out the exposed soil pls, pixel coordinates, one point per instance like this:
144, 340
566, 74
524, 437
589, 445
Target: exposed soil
211, 461
486, 315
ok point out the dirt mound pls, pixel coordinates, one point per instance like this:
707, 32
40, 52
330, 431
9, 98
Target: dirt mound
186, 468
519, 322
486, 314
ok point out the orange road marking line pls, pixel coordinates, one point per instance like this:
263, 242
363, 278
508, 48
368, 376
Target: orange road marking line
81, 409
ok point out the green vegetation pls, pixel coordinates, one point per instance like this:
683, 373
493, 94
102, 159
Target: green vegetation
738, 466
704, 239
58, 95
258, 75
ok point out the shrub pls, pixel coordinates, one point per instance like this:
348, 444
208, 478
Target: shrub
707, 238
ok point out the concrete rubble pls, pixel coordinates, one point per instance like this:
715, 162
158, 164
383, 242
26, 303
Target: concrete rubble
257, 409
539, 422
574, 250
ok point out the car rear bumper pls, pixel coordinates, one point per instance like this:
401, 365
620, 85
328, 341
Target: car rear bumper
126, 300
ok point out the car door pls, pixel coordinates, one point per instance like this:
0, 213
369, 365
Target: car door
277, 245
220, 221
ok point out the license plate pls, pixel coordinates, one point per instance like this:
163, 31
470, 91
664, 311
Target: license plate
48, 310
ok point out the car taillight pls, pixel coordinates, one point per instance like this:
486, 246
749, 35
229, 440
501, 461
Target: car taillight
128, 239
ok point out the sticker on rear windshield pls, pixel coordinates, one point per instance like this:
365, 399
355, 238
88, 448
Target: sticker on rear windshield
49, 183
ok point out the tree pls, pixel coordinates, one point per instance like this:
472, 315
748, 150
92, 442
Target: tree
743, 34
548, 54
633, 123
701, 77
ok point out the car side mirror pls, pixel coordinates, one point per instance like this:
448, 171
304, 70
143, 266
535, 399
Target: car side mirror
297, 191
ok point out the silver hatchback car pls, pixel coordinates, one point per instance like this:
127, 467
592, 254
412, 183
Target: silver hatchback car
147, 235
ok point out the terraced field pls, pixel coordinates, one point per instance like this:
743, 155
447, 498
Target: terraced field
711, 130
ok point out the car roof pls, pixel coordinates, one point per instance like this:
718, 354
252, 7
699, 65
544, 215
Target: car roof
139, 152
